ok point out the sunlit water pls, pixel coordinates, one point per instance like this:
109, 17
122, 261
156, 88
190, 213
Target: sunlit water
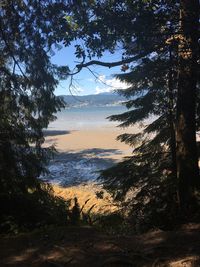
85, 118
77, 168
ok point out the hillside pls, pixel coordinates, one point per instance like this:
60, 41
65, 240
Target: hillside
104, 99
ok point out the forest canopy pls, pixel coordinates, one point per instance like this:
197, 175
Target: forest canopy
159, 46
158, 41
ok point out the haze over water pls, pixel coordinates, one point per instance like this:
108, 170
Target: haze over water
84, 118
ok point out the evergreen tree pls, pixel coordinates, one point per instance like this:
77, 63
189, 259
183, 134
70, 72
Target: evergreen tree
188, 51
148, 34
151, 171
28, 30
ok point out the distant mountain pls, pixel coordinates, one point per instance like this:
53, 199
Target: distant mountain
99, 100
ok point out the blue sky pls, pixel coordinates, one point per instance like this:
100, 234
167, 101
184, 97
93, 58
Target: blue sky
85, 83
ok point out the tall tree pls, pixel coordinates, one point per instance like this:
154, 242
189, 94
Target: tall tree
148, 34
28, 29
151, 171
187, 159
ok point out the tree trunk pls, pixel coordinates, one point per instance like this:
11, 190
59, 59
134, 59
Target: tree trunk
186, 154
171, 117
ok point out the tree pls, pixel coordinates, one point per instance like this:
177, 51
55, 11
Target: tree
148, 34
187, 159
151, 171
28, 30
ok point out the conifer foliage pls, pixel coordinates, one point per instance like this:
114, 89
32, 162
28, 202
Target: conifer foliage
149, 35
28, 30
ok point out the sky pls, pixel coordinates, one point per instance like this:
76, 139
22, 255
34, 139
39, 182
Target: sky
85, 83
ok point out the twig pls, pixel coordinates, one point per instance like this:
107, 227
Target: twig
98, 79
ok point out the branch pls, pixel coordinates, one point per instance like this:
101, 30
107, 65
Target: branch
109, 64
116, 63
11, 53
101, 81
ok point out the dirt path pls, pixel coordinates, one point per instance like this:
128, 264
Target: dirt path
61, 247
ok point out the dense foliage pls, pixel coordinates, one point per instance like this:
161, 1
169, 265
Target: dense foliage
158, 41
28, 30
150, 171
154, 40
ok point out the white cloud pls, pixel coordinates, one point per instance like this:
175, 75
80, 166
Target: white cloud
108, 85
90, 80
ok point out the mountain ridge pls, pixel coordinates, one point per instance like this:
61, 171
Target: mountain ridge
98, 100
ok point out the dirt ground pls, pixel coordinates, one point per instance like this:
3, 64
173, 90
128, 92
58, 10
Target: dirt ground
85, 246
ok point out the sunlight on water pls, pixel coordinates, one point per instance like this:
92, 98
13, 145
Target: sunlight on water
85, 118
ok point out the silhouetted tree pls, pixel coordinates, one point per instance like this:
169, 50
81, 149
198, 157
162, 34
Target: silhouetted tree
188, 53
28, 30
149, 35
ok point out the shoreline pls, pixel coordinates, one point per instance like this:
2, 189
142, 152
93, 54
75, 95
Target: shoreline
90, 139
81, 153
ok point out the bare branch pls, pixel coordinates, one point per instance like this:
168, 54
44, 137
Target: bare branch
139, 56
71, 87
108, 64
101, 81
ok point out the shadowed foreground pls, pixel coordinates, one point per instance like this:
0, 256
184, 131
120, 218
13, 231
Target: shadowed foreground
87, 247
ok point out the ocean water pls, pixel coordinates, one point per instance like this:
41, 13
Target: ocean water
71, 168
83, 118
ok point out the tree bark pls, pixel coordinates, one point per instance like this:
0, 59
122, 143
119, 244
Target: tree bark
186, 152
171, 116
